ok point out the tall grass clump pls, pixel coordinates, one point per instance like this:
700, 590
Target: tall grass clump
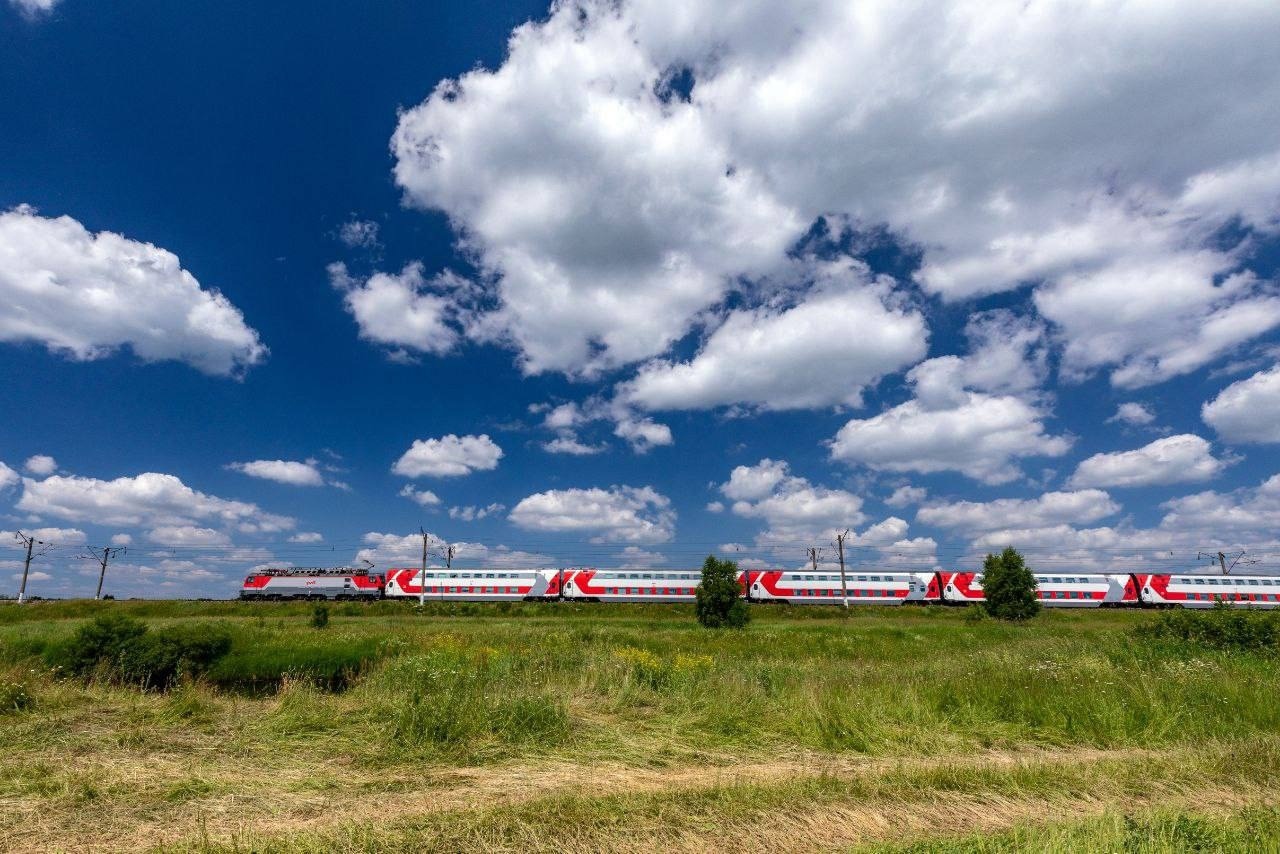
454, 702
1221, 627
328, 661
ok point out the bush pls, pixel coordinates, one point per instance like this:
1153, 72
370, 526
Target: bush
719, 604
1221, 627
1009, 587
102, 640
320, 616
121, 648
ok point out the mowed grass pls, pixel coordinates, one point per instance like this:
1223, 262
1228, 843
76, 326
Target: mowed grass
579, 727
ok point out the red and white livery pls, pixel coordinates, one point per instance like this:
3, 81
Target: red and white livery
473, 585
862, 588
1205, 591
312, 583
634, 585
1054, 590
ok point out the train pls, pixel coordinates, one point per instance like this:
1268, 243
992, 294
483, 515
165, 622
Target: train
796, 587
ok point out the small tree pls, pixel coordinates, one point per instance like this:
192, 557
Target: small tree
1009, 587
320, 616
719, 605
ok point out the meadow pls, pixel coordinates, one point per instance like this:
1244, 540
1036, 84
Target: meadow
577, 727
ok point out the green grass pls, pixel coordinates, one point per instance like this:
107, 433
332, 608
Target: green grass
390, 698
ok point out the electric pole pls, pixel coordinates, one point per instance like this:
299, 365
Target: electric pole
1222, 562
813, 554
422, 573
30, 543
844, 587
102, 556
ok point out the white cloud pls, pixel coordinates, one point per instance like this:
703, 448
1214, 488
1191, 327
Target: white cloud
55, 536
1248, 410
1135, 414
471, 513
121, 540
448, 456
715, 507
40, 465
34, 8
424, 497
970, 414
905, 496
33, 575
150, 498
1014, 143
307, 537
290, 472
390, 550
619, 513
359, 234
569, 444
980, 437
187, 535
85, 296
643, 433
1052, 508
823, 350
8, 477
793, 509
634, 557
403, 311
1184, 458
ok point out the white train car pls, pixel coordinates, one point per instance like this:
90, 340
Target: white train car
472, 585
634, 585
1055, 590
806, 587
1205, 591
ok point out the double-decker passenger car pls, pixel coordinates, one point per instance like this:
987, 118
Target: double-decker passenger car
1205, 591
473, 585
804, 587
1055, 590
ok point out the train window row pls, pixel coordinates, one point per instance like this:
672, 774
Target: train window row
660, 576
475, 575
1064, 580
804, 576
1228, 582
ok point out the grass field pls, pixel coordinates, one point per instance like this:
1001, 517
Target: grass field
588, 727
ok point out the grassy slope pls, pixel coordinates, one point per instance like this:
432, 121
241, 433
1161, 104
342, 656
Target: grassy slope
581, 727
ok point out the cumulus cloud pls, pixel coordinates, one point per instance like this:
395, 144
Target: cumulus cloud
424, 497
40, 465
823, 350
187, 535
56, 536
1133, 414
1185, 458
121, 540
307, 537
85, 296
617, 514
389, 550
905, 496
793, 509
1052, 508
974, 414
8, 477
404, 311
643, 433
150, 498
448, 456
1014, 143
1247, 411
570, 444
634, 557
289, 472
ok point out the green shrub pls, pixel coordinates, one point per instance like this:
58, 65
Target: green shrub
160, 659
719, 604
320, 617
122, 649
1220, 627
102, 640
1009, 587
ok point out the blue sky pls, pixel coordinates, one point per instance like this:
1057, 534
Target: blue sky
625, 284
